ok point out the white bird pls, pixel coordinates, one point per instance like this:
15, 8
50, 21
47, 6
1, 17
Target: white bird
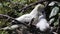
34, 13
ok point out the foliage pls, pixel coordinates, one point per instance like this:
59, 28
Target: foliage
11, 8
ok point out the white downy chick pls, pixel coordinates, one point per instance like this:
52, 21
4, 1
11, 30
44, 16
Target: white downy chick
43, 24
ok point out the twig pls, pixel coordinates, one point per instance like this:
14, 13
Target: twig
10, 28
6, 16
24, 8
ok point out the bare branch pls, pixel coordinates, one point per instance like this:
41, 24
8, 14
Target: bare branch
6, 16
24, 8
10, 28
2, 16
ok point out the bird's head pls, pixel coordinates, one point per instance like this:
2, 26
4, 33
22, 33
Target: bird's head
39, 7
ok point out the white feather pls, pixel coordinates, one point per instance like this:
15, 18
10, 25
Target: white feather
42, 24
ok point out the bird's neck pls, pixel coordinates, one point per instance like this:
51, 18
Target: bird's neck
34, 12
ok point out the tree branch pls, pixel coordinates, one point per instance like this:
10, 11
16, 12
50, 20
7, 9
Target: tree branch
24, 8
16, 26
